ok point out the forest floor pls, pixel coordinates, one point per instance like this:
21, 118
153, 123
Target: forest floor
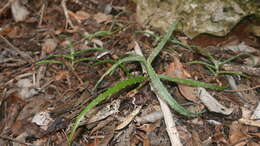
49, 68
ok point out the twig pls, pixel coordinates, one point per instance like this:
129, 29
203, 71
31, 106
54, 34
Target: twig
245, 89
16, 141
23, 54
246, 140
5, 6
41, 71
68, 21
170, 124
233, 86
41, 14
168, 117
249, 122
254, 71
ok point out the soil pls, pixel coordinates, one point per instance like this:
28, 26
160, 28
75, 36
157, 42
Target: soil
48, 75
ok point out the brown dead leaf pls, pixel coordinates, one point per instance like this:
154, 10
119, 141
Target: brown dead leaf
184, 134
79, 15
149, 118
18, 127
61, 75
41, 141
255, 30
252, 143
218, 136
102, 124
255, 134
196, 141
149, 127
34, 130
176, 69
82, 15
108, 110
21, 126
9, 109
30, 109
249, 122
95, 142
236, 135
6, 29
49, 45
211, 103
141, 137
102, 17
105, 141
15, 32
188, 92
129, 118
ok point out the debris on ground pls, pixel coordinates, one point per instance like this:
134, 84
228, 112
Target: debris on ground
75, 72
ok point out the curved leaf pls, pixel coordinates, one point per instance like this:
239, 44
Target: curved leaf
116, 88
112, 68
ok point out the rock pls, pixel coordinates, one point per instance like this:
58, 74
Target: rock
216, 17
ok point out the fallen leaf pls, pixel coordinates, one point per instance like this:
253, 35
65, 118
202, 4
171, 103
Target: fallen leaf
148, 127
176, 69
19, 12
255, 29
26, 88
97, 42
30, 109
9, 109
102, 124
21, 137
252, 61
105, 141
15, 32
211, 103
252, 143
236, 134
242, 47
256, 114
49, 45
61, 75
108, 110
150, 118
219, 136
79, 15
82, 15
102, 17
58, 124
255, 134
21, 126
42, 119
196, 141
129, 118
249, 122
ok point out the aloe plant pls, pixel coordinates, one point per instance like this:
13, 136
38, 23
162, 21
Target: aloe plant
215, 65
72, 55
154, 78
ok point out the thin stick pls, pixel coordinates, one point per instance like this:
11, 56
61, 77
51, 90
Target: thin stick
68, 21
41, 14
5, 6
170, 124
245, 89
16, 141
23, 54
167, 114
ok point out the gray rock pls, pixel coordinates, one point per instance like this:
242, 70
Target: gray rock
216, 17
